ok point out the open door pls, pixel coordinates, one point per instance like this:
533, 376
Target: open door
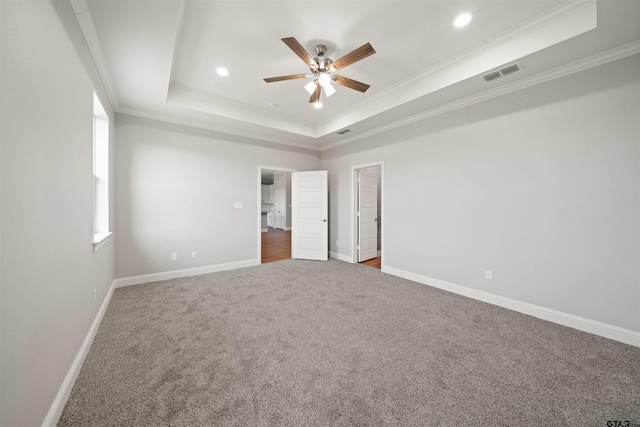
309, 216
367, 215
280, 212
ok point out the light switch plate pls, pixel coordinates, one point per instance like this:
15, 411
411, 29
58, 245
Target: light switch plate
238, 205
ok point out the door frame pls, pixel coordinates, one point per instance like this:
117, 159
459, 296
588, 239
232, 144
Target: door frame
367, 221
259, 205
354, 209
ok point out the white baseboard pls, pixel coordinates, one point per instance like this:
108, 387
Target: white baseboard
379, 253
287, 229
345, 258
264, 230
616, 333
174, 274
62, 396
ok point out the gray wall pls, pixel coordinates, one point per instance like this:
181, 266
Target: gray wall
48, 267
541, 186
175, 191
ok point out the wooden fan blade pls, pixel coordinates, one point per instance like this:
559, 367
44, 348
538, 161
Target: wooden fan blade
300, 51
315, 96
281, 78
351, 84
354, 56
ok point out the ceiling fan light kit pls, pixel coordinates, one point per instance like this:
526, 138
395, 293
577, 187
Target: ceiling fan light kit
310, 87
321, 68
329, 90
324, 80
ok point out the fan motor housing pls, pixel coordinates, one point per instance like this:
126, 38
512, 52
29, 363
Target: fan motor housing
323, 63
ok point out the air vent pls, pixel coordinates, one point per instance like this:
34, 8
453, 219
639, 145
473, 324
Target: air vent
343, 131
492, 76
510, 69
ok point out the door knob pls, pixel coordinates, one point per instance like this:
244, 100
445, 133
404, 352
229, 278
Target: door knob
324, 220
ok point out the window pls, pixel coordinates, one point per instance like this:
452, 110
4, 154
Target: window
101, 231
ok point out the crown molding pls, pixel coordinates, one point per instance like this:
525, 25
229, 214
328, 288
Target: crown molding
565, 70
563, 11
203, 102
575, 67
176, 43
87, 26
169, 118
306, 130
85, 20
526, 28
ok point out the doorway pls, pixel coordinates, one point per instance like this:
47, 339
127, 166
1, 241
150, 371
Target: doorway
367, 215
274, 214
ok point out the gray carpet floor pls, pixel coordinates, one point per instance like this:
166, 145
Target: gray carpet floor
307, 343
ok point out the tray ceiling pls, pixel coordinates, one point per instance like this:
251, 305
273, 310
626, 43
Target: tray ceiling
159, 58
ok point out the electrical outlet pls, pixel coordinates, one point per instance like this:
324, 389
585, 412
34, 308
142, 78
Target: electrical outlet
95, 295
337, 243
488, 274
174, 256
194, 255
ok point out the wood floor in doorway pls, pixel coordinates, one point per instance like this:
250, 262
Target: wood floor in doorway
276, 245
373, 262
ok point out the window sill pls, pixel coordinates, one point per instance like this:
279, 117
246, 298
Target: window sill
100, 239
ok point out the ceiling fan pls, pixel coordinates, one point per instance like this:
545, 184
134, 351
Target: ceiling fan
321, 68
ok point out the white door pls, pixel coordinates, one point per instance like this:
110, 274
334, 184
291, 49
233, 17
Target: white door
367, 216
281, 211
309, 219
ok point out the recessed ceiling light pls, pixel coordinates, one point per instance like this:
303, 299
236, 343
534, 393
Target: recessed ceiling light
273, 105
463, 20
317, 105
222, 71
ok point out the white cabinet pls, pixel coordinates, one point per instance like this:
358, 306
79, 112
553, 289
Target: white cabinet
268, 194
270, 220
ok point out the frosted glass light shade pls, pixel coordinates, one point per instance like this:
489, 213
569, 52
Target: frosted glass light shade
310, 87
329, 90
324, 79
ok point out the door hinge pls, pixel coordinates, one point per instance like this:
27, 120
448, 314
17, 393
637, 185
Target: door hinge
358, 247
358, 213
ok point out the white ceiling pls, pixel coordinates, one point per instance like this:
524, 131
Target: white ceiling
158, 58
